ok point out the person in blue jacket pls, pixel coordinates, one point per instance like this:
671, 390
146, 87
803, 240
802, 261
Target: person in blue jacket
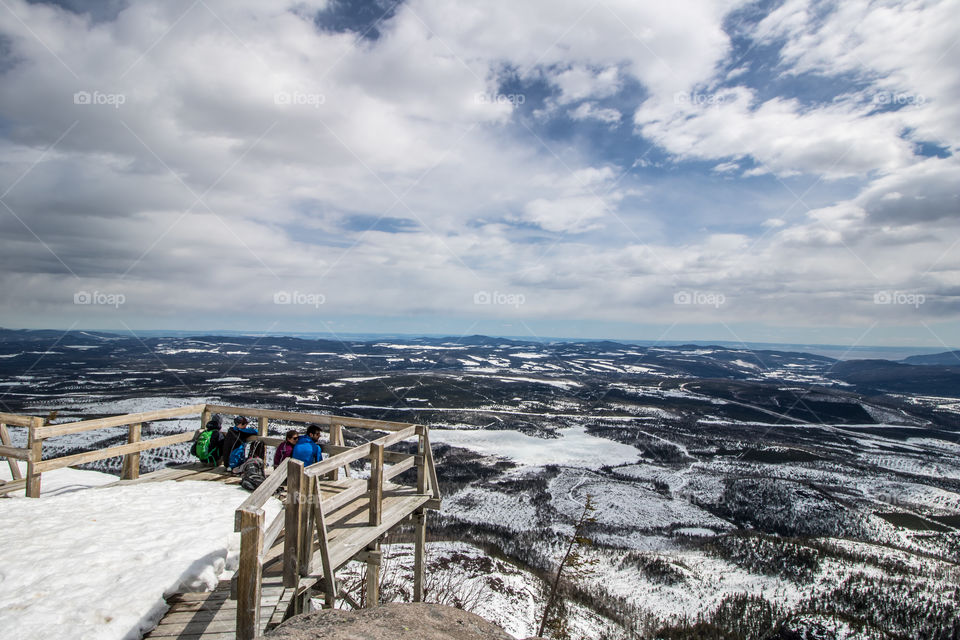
307, 450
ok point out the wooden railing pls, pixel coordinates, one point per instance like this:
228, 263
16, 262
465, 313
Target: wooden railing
308, 556
37, 432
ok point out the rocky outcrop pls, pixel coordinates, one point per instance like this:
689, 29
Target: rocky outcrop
390, 622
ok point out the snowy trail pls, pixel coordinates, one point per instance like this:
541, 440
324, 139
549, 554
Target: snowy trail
95, 564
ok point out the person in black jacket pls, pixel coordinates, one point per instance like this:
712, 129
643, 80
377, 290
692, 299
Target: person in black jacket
236, 437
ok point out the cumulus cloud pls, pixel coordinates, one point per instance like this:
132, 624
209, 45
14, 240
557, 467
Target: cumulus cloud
200, 158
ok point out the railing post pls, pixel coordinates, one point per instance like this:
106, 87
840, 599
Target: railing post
373, 575
307, 524
249, 574
375, 484
131, 461
419, 558
293, 523
421, 461
15, 473
35, 445
262, 425
204, 418
336, 438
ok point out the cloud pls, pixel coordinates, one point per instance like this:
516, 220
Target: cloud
590, 111
254, 152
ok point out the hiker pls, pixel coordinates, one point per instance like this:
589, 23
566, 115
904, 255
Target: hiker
307, 450
232, 451
285, 448
207, 444
253, 469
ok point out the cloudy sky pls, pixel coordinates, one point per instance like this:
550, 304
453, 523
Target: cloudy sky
760, 171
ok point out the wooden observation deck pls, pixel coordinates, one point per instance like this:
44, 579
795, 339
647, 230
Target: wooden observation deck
328, 517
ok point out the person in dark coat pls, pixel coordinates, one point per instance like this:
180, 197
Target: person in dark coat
307, 450
285, 448
236, 437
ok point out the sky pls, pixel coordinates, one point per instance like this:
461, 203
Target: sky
729, 170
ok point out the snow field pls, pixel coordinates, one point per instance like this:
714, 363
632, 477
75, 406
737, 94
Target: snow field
574, 447
95, 564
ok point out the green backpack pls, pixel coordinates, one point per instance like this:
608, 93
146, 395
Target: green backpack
202, 447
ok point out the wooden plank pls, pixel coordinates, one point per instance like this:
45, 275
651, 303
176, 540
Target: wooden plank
67, 428
306, 537
329, 577
373, 577
249, 575
375, 484
201, 628
13, 485
261, 494
396, 469
15, 453
262, 426
293, 523
325, 419
274, 530
11, 453
421, 464
388, 456
419, 554
15, 420
357, 488
359, 452
111, 452
434, 484
282, 610
35, 445
131, 461
354, 538
336, 440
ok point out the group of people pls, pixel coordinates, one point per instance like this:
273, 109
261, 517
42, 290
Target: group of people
231, 450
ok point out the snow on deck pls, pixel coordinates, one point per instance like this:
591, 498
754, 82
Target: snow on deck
96, 563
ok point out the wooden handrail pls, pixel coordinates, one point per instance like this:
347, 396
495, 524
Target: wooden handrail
111, 452
52, 430
15, 420
318, 418
15, 452
261, 494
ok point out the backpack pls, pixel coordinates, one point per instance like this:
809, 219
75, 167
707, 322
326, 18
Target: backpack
203, 448
236, 456
253, 475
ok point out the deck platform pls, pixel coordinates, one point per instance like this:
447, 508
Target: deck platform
212, 615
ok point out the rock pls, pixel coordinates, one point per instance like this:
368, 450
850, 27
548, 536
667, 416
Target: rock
393, 621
